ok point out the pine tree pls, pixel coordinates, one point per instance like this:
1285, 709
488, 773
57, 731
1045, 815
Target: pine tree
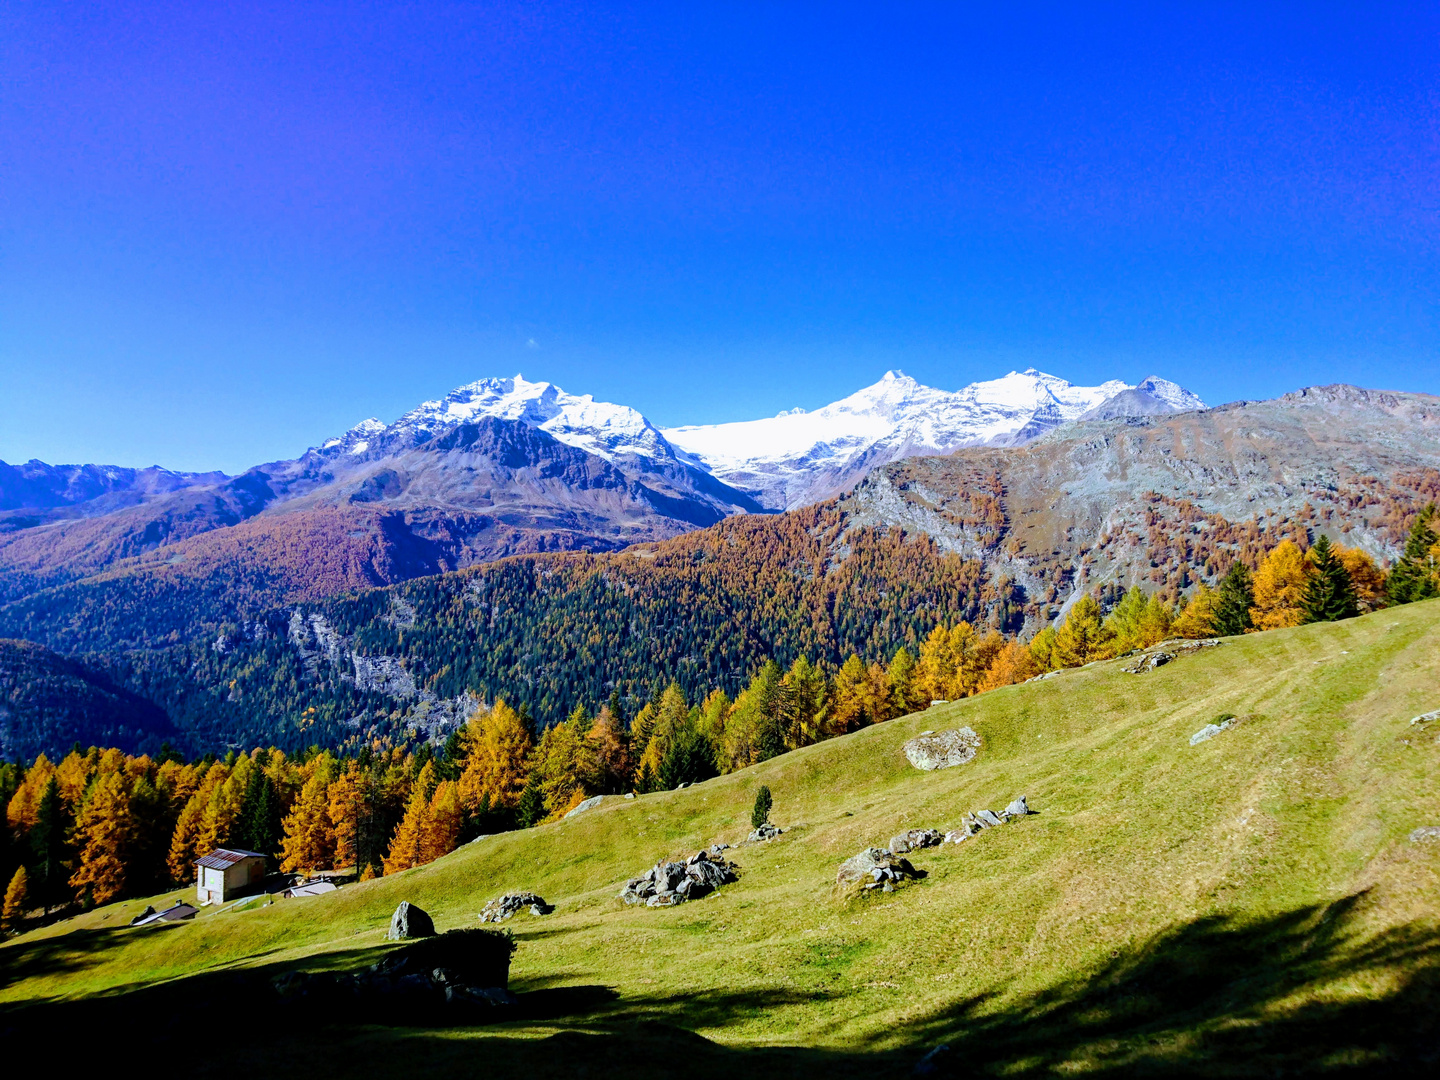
1236, 597
17, 902
105, 834
48, 846
531, 809
260, 824
1413, 577
761, 812
1329, 594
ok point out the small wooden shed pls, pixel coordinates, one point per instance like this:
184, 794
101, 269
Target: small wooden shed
226, 872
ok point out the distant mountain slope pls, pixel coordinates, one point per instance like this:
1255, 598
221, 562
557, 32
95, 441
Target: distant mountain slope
798, 457
48, 702
1146, 499
450, 495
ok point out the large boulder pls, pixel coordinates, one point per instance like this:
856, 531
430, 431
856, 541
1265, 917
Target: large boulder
876, 868
410, 921
942, 749
766, 831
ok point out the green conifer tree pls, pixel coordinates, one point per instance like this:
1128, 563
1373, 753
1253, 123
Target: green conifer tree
1413, 576
1232, 606
1329, 594
761, 813
49, 878
532, 804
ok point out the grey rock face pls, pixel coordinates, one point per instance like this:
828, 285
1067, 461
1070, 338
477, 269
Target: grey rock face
876, 868
588, 804
1425, 718
410, 921
943, 749
765, 832
669, 883
1209, 731
914, 840
1425, 834
503, 907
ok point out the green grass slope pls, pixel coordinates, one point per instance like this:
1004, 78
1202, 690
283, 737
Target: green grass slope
1251, 905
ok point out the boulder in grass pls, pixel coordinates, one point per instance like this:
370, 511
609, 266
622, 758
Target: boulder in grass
410, 921
914, 840
503, 907
876, 868
942, 749
766, 831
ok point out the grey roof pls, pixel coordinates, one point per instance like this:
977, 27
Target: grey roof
224, 858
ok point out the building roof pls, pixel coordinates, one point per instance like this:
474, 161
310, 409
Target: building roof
174, 913
224, 858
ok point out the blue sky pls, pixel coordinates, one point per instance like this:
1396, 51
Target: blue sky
227, 233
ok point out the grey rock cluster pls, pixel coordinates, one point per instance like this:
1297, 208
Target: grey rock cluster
942, 749
981, 820
914, 840
1425, 834
1425, 718
765, 832
503, 907
876, 868
1159, 655
669, 883
410, 921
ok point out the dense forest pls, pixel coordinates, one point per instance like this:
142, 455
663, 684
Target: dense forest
102, 824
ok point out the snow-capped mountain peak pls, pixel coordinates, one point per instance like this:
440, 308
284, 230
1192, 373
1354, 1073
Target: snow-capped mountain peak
798, 457
597, 427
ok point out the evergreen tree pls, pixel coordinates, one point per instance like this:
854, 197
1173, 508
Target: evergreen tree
531, 808
761, 813
689, 759
1413, 577
48, 846
1236, 596
1329, 594
261, 824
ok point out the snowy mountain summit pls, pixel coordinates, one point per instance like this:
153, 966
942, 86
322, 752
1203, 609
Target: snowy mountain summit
801, 457
794, 458
613, 432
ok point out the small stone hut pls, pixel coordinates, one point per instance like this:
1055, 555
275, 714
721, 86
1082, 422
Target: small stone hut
227, 872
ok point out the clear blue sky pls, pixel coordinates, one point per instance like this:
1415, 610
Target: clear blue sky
226, 234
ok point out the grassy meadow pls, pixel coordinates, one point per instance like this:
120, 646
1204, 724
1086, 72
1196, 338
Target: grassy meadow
1251, 905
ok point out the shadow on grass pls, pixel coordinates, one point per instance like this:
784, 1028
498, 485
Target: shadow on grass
1213, 997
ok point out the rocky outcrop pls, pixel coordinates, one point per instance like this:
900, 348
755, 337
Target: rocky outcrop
765, 832
942, 749
503, 907
876, 868
669, 883
1425, 834
588, 804
409, 921
914, 840
1160, 655
981, 820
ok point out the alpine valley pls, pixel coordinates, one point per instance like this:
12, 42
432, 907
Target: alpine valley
511, 539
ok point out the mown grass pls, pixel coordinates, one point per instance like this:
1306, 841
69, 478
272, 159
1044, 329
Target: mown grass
1247, 905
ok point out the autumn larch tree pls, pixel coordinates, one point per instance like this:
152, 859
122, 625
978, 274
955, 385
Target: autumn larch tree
17, 901
104, 832
1280, 588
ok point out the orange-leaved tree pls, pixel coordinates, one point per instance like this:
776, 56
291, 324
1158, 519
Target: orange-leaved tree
496, 768
1280, 588
104, 830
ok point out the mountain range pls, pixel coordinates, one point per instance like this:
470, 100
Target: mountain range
509, 466
235, 632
